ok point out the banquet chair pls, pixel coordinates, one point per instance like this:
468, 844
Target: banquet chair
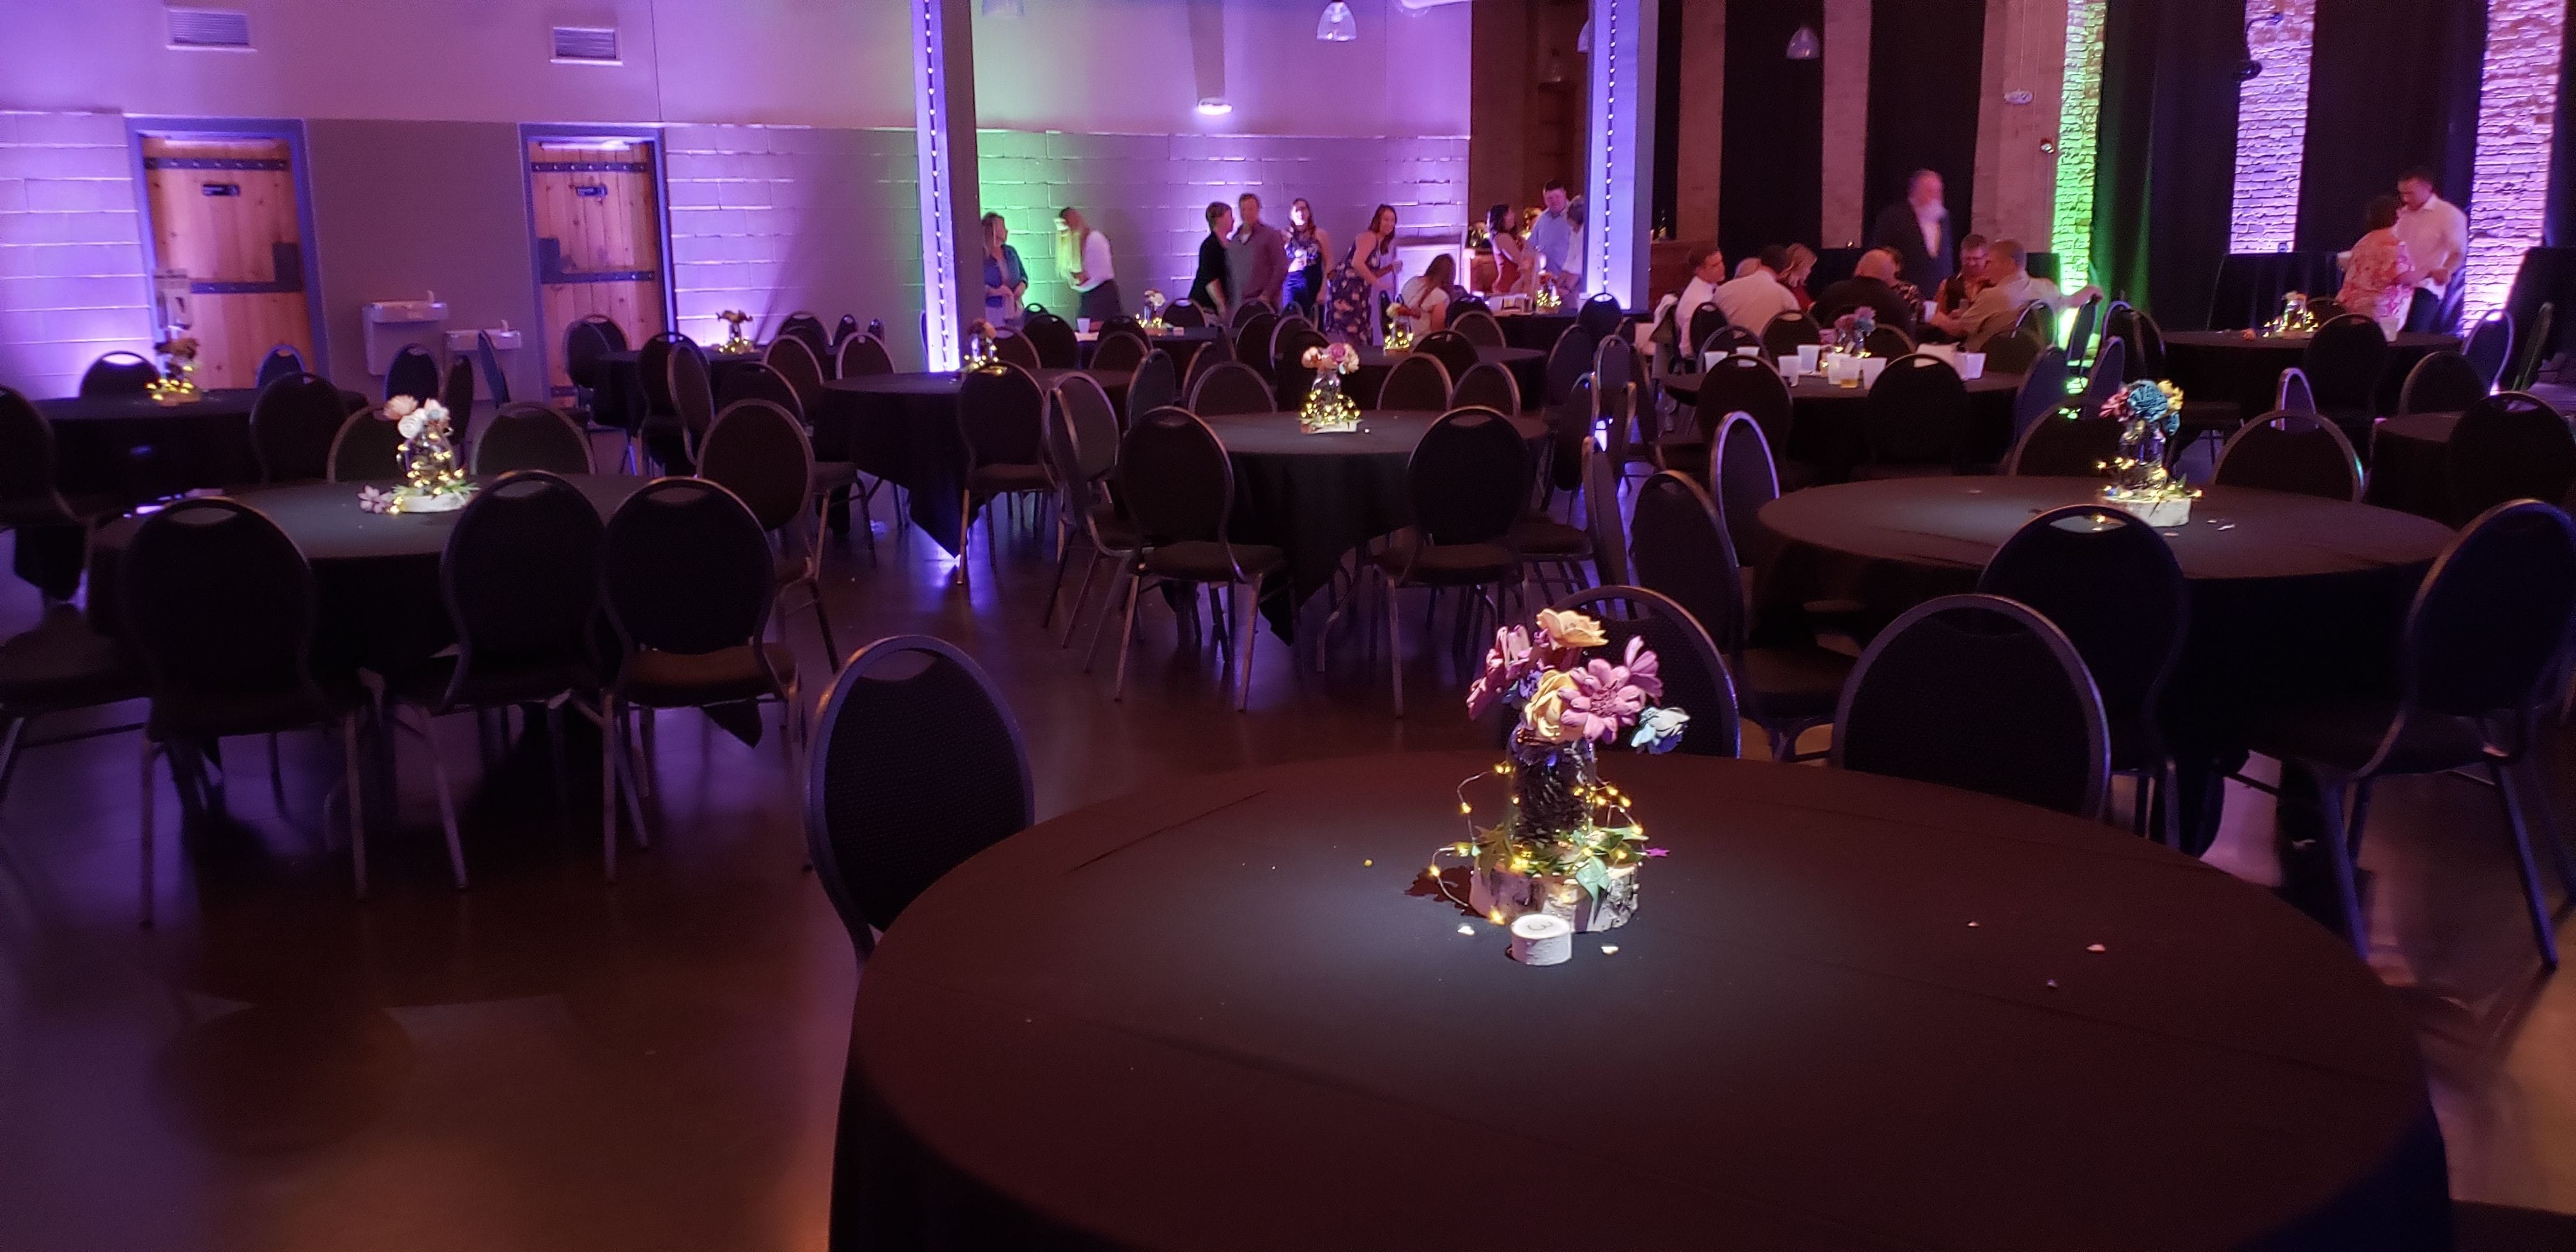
1124, 323
2325, 308
1291, 378
487, 356
1788, 332
1487, 385
1052, 337
1184, 315
61, 665
876, 329
1980, 693
1155, 384
1552, 551
791, 376
530, 437
2480, 639
688, 580
861, 356
2071, 446
1600, 316
2008, 353
1015, 349
1892, 342
1119, 351
1232, 387
1568, 359
457, 395
1747, 385
1915, 420
1003, 420
2535, 352
1725, 340
281, 361
1694, 676
1252, 337
119, 373
585, 343
1178, 486
1418, 382
2146, 342
520, 579
2109, 582
794, 362
758, 450
2506, 447
755, 380
220, 607
917, 766
293, 423
658, 428
1609, 531
33, 505
1244, 313
1082, 453
2491, 345
1743, 478
2442, 382
805, 325
2042, 390
2294, 395
842, 331
1622, 406
1478, 327
2344, 361
1210, 355
1679, 546
2295, 452
2108, 376
2079, 339
413, 372
1452, 348
690, 384
2038, 324
1706, 322
1465, 482
367, 448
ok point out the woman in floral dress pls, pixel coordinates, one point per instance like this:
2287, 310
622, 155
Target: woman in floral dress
1363, 269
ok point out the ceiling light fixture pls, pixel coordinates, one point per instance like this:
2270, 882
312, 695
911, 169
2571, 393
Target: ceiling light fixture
1803, 45
1337, 24
1214, 106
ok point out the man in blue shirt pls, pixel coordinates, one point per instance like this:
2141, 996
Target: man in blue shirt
1552, 237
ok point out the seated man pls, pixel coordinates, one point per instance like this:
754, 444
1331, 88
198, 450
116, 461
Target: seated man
1873, 285
1995, 309
1756, 295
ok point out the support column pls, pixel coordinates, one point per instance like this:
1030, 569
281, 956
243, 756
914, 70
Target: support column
1618, 185
1703, 120
1846, 35
2017, 120
943, 132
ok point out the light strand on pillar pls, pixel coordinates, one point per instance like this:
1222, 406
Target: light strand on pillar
1599, 217
941, 329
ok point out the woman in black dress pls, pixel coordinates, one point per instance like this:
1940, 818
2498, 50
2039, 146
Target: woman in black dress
1307, 246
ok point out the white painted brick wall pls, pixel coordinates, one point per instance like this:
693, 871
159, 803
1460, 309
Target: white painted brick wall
2517, 102
2272, 125
72, 270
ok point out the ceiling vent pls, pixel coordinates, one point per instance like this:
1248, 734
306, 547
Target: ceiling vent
590, 44
209, 28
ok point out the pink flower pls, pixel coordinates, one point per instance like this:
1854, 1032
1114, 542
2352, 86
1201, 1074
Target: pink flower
1603, 701
1644, 669
1508, 662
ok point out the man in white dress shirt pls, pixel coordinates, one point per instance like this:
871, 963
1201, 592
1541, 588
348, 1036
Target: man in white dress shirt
1094, 279
1752, 300
2436, 235
1708, 273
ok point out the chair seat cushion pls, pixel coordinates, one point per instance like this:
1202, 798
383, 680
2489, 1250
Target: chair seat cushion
1449, 564
2342, 735
671, 680
1544, 538
1003, 478
493, 685
1199, 560
63, 664
1793, 683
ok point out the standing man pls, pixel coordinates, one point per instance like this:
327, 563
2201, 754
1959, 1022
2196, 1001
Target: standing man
1917, 230
2436, 235
1552, 238
1094, 279
1263, 253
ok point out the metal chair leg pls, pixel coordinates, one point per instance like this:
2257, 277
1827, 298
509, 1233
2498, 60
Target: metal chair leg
2537, 795
1100, 628
1395, 647
446, 799
823, 623
9, 739
150, 750
1127, 636
555, 750
609, 733
2533, 897
2339, 840
1248, 623
357, 804
1081, 597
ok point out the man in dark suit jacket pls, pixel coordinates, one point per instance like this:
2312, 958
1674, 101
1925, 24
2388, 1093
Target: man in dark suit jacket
1917, 230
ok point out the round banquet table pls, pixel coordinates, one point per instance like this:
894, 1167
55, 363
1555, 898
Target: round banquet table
380, 605
1321, 496
619, 398
902, 428
1534, 330
1528, 367
1826, 422
1852, 1012
133, 449
2225, 366
2410, 464
1181, 342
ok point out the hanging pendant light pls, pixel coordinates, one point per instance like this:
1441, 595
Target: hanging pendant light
1803, 45
1337, 24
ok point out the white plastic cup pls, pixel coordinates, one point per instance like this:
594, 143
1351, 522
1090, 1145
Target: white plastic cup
1972, 365
1807, 354
1870, 368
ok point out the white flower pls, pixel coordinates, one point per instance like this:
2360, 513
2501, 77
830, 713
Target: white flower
432, 410
400, 407
410, 423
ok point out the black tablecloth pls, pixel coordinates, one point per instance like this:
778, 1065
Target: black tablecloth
2251, 284
903, 428
619, 398
2224, 365
2410, 464
134, 449
1528, 367
1826, 426
1181, 342
380, 605
1533, 330
1851, 1013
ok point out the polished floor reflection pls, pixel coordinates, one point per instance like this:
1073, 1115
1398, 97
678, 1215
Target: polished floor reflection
550, 1062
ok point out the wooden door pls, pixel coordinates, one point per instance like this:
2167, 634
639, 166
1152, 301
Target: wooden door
224, 211
599, 239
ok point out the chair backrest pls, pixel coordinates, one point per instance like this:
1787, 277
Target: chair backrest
2042, 391
2009, 354
1470, 303
1600, 476
2490, 346
585, 342
366, 448
1453, 349
1124, 322
1252, 340
488, 355
653, 367
758, 450
796, 362
755, 380
1418, 382
1211, 354
687, 379
2492, 616
413, 372
1157, 382
1003, 416
1244, 313
1053, 338
2147, 349
2442, 382
1478, 327
1487, 385
843, 329
1980, 693
1184, 314
1705, 322
1687, 663
458, 396
862, 356
530, 437
1614, 367
1745, 478
1015, 349
1175, 478
218, 600
803, 324
2535, 350
1917, 413
2110, 374
28, 493
520, 575
1726, 338
2038, 324
1092, 421
2344, 361
2297, 452
686, 569
2294, 394
1892, 342
119, 374
1569, 359
2107, 580
2072, 446
917, 765
1289, 377
1748, 385
281, 361
1678, 545
2079, 340
1600, 316
1467, 478
1119, 350
1786, 333
292, 425
1231, 387
2511, 446
609, 330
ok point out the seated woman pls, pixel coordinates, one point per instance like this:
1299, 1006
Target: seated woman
1802, 266
1426, 299
2378, 276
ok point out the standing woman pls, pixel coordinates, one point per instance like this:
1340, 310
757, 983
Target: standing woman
1006, 281
1515, 273
1307, 246
2379, 276
1367, 267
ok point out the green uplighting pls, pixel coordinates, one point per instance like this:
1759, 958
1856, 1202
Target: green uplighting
2078, 137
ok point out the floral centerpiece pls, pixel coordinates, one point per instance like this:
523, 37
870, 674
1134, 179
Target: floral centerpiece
1566, 844
735, 343
1155, 303
433, 482
1546, 299
2149, 413
178, 382
980, 356
2295, 318
1326, 408
1399, 330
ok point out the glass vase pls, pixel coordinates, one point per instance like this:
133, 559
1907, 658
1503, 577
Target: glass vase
1550, 813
